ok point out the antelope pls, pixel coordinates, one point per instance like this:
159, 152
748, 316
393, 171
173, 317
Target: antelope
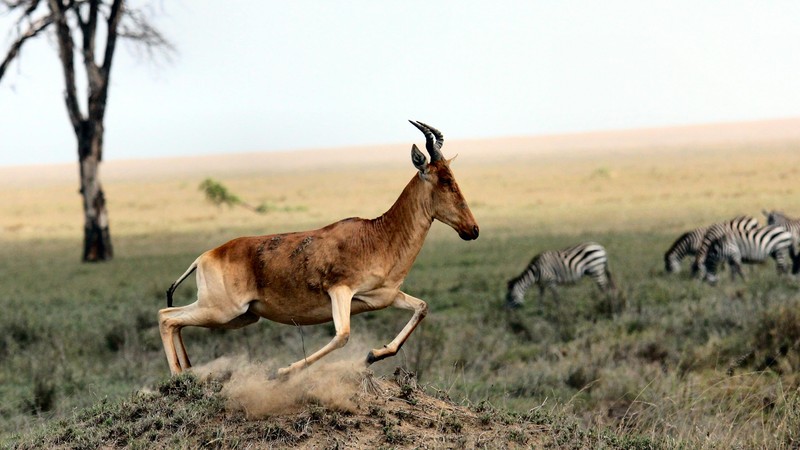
311, 277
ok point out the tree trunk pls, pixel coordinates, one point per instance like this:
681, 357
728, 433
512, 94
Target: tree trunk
76, 24
96, 232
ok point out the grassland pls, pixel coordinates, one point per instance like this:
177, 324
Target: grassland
702, 366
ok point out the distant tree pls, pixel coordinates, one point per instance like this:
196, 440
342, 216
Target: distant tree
219, 195
74, 26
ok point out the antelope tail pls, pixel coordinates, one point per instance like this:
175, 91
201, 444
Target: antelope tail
179, 281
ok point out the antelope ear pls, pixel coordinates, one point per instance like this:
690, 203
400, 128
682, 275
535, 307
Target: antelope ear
419, 160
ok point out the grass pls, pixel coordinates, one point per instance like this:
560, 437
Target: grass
699, 366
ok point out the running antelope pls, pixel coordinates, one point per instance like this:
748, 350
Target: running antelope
311, 277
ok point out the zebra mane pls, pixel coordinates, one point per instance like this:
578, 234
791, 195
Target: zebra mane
528, 276
683, 243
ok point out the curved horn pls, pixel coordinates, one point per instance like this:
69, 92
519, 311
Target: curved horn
433, 140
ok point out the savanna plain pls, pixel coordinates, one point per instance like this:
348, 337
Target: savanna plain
670, 363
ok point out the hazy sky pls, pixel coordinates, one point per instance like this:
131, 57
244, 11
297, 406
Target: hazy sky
268, 75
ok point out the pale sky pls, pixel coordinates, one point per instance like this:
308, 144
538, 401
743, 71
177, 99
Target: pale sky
267, 75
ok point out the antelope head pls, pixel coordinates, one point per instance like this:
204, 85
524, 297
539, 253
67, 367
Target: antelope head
449, 206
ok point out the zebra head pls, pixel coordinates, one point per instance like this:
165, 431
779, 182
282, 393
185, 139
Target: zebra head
775, 217
671, 264
517, 286
515, 296
716, 257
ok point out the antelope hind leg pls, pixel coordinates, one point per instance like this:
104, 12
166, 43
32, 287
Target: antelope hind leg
168, 342
172, 320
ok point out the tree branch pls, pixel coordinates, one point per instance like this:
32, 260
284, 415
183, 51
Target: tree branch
33, 29
89, 31
66, 54
99, 75
12, 5
131, 24
136, 27
111, 40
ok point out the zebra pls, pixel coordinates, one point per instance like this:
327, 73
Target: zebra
716, 232
791, 224
753, 246
566, 266
686, 245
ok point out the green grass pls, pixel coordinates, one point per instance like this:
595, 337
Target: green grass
705, 366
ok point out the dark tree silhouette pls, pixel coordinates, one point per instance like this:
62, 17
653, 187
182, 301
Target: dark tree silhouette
74, 25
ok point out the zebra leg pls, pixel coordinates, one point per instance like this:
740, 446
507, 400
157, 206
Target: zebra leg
780, 260
794, 257
541, 291
605, 281
711, 266
602, 279
615, 297
552, 288
698, 270
795, 264
736, 268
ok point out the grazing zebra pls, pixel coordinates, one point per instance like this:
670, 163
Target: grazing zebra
686, 245
567, 266
716, 232
791, 224
753, 246
689, 243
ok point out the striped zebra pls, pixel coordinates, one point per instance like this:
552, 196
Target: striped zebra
567, 266
686, 245
716, 232
753, 246
791, 224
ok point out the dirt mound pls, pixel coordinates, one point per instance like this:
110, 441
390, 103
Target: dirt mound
341, 404
230, 403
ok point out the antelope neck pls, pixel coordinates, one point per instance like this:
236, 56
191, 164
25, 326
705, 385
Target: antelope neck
404, 226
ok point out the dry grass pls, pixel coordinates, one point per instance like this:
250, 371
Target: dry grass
627, 181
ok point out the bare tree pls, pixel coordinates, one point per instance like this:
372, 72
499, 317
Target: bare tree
74, 24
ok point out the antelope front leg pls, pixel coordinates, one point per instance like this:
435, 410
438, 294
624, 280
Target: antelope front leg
341, 298
403, 301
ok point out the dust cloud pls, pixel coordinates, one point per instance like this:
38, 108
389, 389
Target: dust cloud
249, 386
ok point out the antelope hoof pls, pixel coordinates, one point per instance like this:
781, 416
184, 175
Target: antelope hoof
283, 373
379, 354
